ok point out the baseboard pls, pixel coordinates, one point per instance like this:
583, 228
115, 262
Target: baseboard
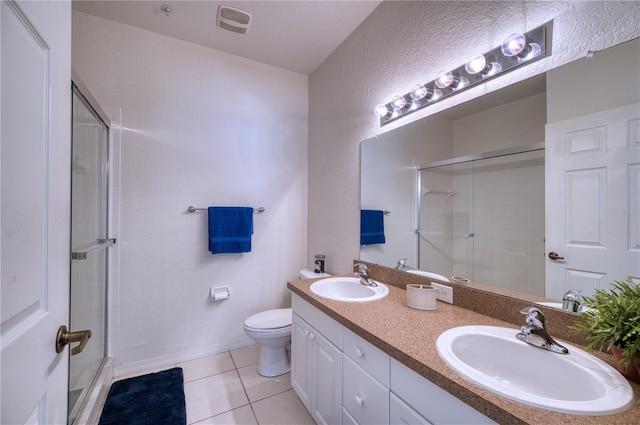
160, 362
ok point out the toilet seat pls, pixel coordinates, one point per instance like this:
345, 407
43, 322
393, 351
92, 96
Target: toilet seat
270, 320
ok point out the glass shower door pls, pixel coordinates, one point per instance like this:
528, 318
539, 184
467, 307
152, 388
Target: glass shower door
88, 242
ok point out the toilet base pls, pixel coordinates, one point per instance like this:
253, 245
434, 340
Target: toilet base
273, 361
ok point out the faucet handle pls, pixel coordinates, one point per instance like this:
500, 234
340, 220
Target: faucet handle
534, 316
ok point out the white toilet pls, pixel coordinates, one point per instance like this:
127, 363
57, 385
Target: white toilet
272, 330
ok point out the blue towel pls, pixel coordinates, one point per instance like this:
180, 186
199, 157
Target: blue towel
371, 227
230, 229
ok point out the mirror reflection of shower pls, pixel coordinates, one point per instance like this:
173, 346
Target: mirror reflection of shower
482, 217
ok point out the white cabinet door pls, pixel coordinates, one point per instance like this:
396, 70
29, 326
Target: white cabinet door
401, 413
326, 405
593, 190
35, 199
301, 359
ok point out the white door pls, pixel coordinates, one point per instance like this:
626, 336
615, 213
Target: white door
592, 200
35, 124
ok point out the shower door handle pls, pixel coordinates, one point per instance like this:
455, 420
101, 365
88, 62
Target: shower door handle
65, 337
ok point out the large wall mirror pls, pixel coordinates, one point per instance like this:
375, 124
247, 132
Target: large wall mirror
534, 188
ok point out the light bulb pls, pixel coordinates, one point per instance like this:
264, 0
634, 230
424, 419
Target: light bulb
459, 83
380, 110
444, 79
434, 95
418, 92
478, 65
513, 44
398, 102
475, 64
516, 45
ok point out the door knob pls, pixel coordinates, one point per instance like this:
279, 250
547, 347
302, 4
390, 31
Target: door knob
65, 337
555, 256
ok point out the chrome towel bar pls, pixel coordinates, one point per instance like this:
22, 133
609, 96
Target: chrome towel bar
193, 209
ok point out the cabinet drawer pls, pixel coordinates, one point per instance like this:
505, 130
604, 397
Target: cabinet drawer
401, 413
324, 324
366, 399
367, 356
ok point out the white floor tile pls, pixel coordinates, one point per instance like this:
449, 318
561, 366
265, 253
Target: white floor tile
206, 366
213, 395
241, 416
282, 409
259, 387
246, 356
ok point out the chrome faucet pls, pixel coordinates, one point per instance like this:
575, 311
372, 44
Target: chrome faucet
363, 274
572, 301
534, 332
402, 265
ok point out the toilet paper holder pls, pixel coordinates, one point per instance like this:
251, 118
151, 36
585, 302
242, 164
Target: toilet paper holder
220, 293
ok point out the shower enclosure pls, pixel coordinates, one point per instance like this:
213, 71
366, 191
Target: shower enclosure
482, 217
89, 240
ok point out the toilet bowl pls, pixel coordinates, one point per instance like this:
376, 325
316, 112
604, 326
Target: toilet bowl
271, 329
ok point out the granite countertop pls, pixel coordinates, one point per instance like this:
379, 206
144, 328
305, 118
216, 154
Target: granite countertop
409, 336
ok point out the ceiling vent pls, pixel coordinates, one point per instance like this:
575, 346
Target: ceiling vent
232, 19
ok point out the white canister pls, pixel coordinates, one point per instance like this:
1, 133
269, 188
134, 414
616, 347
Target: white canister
422, 297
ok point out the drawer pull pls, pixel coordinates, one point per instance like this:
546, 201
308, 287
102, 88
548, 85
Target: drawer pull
359, 352
359, 400
311, 336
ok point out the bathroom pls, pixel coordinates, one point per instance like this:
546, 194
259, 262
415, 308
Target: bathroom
197, 126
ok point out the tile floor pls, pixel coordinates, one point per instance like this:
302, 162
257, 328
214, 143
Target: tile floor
227, 389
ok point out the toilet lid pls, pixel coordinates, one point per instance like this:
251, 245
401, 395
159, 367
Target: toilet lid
270, 319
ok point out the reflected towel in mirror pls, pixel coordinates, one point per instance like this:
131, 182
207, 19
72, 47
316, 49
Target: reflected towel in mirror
371, 227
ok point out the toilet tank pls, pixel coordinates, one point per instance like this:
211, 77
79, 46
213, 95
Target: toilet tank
310, 274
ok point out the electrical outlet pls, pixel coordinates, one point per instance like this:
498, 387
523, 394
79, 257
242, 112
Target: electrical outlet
443, 292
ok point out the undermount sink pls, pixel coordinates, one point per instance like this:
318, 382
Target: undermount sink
428, 274
577, 383
348, 289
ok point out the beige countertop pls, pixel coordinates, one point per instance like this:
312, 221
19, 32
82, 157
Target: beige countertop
409, 336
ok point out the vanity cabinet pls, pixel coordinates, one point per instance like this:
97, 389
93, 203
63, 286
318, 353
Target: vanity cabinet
429, 401
316, 372
343, 379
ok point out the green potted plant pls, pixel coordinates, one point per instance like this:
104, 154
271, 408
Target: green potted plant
612, 320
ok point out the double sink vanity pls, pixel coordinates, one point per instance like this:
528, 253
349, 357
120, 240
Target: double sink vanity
374, 360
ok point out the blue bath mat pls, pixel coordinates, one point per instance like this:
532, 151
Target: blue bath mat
153, 399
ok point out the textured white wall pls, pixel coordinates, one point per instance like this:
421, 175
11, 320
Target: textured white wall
200, 127
400, 44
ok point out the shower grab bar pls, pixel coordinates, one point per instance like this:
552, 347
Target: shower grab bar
82, 252
193, 209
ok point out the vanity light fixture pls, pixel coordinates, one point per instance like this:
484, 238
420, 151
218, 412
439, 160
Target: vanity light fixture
516, 50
